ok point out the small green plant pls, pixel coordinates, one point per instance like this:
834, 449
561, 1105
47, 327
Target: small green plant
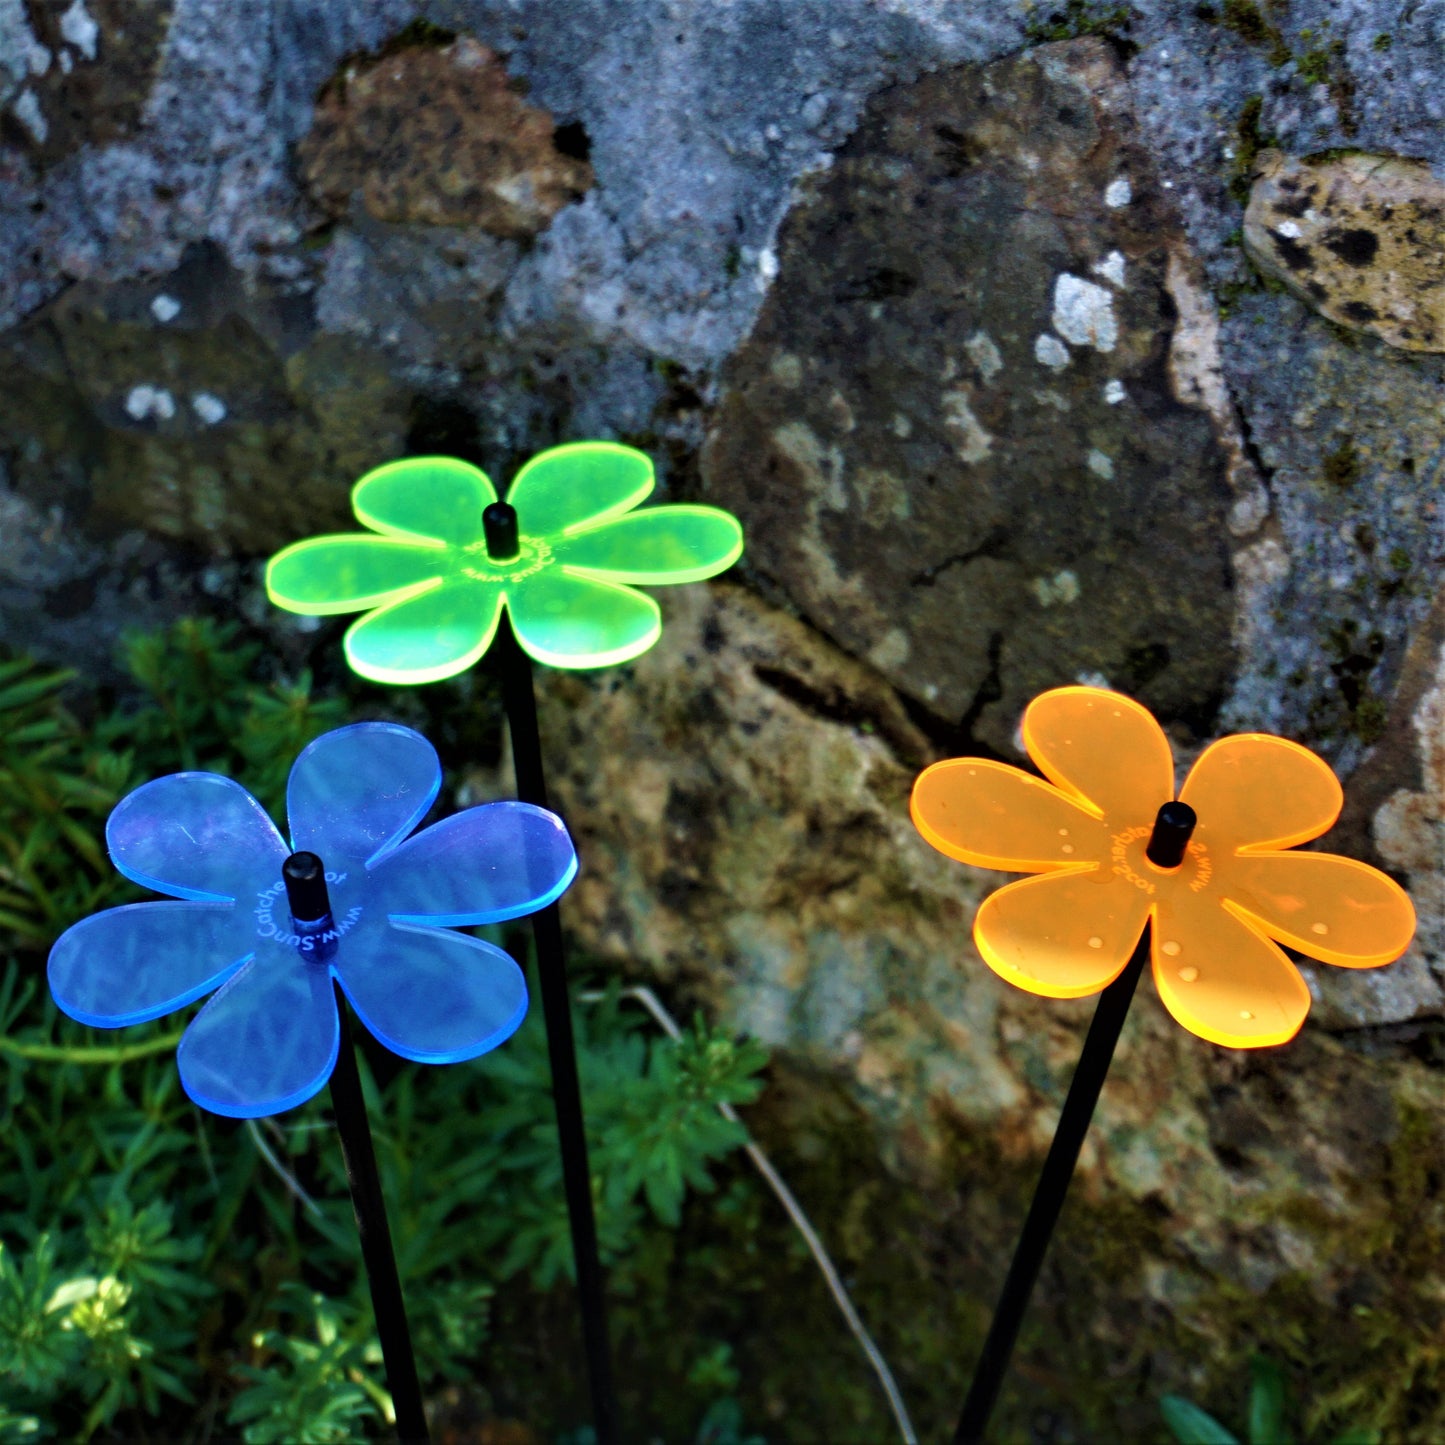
1268, 1422
315, 1389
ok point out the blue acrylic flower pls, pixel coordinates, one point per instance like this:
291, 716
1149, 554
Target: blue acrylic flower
268, 1039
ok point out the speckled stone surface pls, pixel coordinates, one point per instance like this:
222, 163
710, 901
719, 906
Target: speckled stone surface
1360, 238
953, 432
436, 134
197, 360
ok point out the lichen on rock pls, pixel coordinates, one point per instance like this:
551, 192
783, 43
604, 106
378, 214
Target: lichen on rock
1359, 237
438, 135
968, 264
231, 424
78, 72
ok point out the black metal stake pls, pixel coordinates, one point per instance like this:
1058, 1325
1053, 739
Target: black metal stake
1172, 829
520, 700
305, 879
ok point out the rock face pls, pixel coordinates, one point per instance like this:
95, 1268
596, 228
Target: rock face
740, 810
62, 86
948, 302
210, 416
953, 434
1361, 239
437, 135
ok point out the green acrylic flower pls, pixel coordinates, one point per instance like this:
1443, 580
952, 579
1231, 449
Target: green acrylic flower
433, 591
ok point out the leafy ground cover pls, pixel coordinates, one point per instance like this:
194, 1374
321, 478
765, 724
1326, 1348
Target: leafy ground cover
167, 1274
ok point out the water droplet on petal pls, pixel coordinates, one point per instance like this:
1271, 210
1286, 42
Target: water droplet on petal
1189, 974
1244, 1013
1068, 847
1096, 942
1063, 832
1171, 948
1319, 928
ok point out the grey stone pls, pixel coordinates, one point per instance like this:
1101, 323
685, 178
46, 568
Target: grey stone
928, 472
94, 378
1350, 442
740, 793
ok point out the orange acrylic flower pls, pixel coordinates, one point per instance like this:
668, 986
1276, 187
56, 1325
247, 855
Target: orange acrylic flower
1217, 919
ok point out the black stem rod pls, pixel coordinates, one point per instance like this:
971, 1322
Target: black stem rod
1172, 829
499, 527
376, 1251
520, 700
304, 875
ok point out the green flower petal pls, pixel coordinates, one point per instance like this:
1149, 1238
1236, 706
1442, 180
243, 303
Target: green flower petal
578, 485
663, 544
570, 621
349, 572
427, 637
434, 498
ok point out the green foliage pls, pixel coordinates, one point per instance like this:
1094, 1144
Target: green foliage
1268, 1415
1190, 1425
200, 707
161, 1270
722, 1422
311, 1392
653, 1129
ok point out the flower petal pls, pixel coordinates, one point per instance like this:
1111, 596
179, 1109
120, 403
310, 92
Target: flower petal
427, 637
1335, 909
663, 544
266, 1042
434, 498
1220, 978
1259, 791
995, 816
140, 962
431, 995
1102, 748
577, 485
349, 572
1064, 935
195, 835
355, 793
483, 865
570, 621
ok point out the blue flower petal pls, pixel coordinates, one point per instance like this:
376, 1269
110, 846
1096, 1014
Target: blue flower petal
355, 793
430, 995
267, 1042
498, 861
195, 835
129, 965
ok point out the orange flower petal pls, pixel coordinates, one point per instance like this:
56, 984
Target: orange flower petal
1335, 909
1223, 980
1258, 791
1103, 749
995, 816
1063, 935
